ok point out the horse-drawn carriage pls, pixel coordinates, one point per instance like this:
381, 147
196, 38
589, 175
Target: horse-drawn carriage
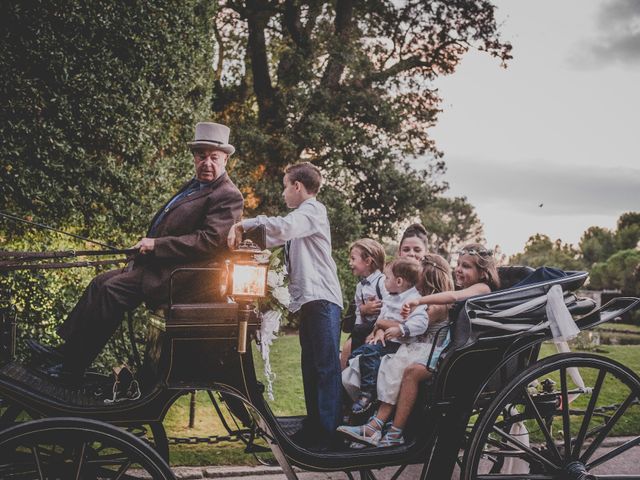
512, 414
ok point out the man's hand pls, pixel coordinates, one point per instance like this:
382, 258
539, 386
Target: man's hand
145, 245
393, 332
235, 235
408, 307
372, 306
378, 337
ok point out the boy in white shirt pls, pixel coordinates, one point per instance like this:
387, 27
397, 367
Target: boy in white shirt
315, 292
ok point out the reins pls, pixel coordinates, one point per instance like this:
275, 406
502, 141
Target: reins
11, 261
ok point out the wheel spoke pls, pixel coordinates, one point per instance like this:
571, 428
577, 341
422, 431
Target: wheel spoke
614, 453
122, 470
543, 427
587, 415
80, 462
522, 446
607, 428
566, 424
36, 458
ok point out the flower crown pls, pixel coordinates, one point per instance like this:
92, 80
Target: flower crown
482, 252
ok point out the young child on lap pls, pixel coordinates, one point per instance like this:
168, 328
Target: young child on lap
390, 332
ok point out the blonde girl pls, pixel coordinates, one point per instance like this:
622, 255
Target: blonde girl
475, 274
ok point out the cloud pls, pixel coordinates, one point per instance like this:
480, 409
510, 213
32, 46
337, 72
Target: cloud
562, 189
618, 40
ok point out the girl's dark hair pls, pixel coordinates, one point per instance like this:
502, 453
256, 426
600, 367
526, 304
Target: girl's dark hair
416, 230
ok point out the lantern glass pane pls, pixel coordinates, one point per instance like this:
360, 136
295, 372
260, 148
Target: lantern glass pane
250, 280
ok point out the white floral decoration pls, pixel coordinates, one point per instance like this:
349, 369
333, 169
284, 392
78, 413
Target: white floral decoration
272, 308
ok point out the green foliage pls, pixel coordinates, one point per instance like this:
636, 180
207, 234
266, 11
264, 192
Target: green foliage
596, 244
451, 223
540, 251
621, 271
101, 98
345, 85
628, 237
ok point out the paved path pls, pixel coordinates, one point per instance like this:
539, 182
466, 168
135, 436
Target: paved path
626, 464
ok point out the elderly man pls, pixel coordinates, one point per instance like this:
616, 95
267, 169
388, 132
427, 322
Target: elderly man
191, 228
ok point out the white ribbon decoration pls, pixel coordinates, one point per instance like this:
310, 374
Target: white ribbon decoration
267, 334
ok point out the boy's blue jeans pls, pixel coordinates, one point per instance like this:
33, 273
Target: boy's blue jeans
320, 342
370, 360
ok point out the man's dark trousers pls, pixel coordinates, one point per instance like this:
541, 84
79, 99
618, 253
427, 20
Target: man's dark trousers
370, 359
320, 343
97, 315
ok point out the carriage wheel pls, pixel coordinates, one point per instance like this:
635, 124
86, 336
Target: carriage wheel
11, 413
548, 424
74, 448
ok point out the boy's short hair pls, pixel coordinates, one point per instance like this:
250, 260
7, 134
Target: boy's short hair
307, 174
406, 268
370, 249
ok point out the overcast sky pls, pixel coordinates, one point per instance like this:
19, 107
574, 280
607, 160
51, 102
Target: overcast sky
558, 128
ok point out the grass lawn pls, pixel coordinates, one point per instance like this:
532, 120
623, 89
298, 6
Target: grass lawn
289, 400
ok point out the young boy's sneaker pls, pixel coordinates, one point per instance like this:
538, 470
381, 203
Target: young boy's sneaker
362, 404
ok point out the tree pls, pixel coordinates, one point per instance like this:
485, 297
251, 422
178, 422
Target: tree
345, 84
596, 244
628, 232
541, 251
620, 271
451, 222
100, 98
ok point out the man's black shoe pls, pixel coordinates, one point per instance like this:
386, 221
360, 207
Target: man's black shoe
45, 353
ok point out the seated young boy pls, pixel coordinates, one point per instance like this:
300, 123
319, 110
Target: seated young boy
391, 331
315, 292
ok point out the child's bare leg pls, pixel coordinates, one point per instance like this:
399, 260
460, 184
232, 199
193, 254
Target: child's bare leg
345, 353
413, 375
385, 411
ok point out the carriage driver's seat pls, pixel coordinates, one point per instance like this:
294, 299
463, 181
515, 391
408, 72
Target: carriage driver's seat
198, 327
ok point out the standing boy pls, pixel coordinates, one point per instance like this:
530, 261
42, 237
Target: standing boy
315, 292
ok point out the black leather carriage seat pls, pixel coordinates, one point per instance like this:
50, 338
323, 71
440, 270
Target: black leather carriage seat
512, 274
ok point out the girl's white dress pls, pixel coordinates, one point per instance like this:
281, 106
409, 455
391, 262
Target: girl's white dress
393, 366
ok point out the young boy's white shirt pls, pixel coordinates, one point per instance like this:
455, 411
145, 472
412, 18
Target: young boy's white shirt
369, 288
312, 271
417, 321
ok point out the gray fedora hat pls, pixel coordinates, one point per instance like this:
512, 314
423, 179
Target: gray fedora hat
212, 135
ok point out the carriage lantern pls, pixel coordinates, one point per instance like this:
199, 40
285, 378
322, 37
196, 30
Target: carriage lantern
248, 283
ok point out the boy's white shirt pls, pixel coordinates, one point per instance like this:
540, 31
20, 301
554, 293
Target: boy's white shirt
369, 290
313, 274
417, 321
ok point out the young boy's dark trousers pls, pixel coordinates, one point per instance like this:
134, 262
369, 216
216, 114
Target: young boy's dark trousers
370, 359
320, 342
